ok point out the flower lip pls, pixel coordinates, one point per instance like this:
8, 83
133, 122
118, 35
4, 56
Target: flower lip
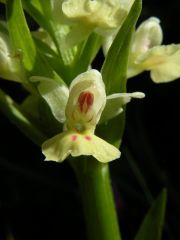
85, 101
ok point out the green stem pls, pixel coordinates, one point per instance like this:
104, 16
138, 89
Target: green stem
97, 197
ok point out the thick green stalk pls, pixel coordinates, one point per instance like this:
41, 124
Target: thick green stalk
98, 202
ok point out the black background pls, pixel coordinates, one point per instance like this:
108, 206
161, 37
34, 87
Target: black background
41, 199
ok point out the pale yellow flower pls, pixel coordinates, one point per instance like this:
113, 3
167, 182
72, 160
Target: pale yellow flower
80, 108
147, 53
101, 16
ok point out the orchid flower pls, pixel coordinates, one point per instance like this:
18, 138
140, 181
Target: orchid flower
80, 108
85, 16
10, 64
147, 53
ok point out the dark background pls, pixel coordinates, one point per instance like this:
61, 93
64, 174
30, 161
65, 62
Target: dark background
41, 199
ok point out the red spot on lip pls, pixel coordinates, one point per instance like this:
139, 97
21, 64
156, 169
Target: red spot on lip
85, 101
88, 138
73, 138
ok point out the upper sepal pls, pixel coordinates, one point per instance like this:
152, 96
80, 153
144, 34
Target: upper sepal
147, 35
55, 94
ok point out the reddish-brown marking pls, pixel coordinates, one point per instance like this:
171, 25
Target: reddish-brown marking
88, 138
85, 101
73, 138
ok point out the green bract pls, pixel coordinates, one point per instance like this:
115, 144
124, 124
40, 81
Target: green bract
80, 111
10, 62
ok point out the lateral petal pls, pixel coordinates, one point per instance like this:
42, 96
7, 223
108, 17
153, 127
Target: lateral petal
115, 102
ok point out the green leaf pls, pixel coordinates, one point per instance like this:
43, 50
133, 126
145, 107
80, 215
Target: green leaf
114, 72
151, 228
87, 51
43, 47
12, 111
52, 58
115, 66
41, 13
20, 34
